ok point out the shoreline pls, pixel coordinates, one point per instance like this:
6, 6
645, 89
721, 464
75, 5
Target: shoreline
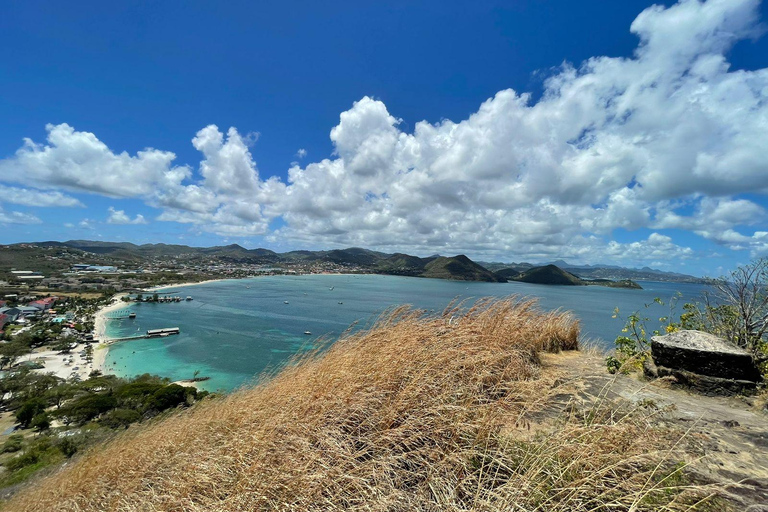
101, 350
195, 283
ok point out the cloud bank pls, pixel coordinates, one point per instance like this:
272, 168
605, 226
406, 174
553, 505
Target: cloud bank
670, 138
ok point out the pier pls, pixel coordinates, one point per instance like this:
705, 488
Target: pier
152, 333
156, 333
121, 314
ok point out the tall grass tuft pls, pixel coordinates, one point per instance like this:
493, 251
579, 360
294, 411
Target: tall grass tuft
417, 413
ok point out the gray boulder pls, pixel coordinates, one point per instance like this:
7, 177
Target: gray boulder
691, 354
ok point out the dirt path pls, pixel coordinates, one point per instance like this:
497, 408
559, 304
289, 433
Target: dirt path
731, 432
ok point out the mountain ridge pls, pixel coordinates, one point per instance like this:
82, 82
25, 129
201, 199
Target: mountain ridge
396, 263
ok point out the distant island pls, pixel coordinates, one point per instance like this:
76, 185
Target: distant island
554, 275
79, 265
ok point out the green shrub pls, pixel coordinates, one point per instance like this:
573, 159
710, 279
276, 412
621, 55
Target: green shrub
13, 444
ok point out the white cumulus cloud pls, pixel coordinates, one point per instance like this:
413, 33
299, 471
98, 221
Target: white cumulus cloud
18, 218
120, 217
33, 197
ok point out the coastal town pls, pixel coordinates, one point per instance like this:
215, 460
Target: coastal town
61, 337
67, 295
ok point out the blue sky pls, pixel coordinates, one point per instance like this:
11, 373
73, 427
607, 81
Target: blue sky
591, 131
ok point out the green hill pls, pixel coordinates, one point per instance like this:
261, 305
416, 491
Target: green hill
552, 274
458, 268
402, 265
549, 274
354, 256
507, 273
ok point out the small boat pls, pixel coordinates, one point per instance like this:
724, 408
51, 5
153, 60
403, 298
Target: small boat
189, 297
307, 333
132, 315
341, 302
285, 302
331, 288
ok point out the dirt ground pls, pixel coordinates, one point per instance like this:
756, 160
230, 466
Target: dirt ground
731, 432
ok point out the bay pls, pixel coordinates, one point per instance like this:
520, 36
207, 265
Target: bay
234, 330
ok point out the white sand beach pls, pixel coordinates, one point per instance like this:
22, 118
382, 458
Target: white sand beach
100, 333
100, 357
100, 319
179, 285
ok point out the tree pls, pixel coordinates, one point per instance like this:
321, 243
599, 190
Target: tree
86, 408
10, 352
61, 393
28, 410
746, 290
40, 422
120, 418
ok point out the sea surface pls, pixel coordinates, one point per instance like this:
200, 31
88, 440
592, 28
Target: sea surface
232, 331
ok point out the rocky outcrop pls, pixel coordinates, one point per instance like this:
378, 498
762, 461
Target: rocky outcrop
704, 361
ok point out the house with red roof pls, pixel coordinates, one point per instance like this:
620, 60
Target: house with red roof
43, 304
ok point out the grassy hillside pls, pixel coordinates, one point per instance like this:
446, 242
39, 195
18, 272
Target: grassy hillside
419, 413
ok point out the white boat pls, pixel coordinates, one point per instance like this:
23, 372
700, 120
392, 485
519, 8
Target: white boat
331, 288
189, 297
285, 302
307, 333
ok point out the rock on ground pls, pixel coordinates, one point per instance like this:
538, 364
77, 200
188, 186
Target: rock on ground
704, 354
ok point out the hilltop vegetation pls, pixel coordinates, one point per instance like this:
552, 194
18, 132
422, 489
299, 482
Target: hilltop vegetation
58, 418
419, 413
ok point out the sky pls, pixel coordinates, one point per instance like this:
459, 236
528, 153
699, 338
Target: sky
627, 133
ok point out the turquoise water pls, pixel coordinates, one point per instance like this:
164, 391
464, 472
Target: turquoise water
234, 330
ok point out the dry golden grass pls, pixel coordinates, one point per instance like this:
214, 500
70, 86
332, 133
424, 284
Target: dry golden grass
413, 414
